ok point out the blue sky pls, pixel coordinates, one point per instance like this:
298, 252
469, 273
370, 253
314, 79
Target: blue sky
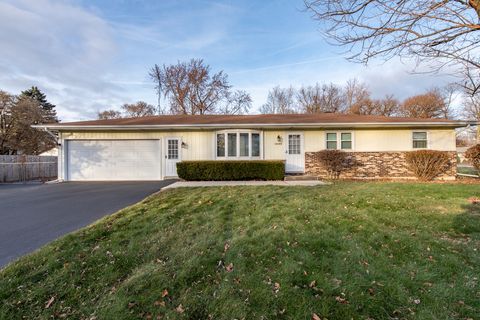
93, 55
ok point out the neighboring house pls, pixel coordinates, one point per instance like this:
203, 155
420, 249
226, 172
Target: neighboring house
148, 148
51, 153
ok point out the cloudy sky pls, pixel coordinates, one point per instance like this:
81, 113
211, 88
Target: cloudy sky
93, 55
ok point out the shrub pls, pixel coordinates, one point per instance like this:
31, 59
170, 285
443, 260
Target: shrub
427, 164
473, 155
334, 162
231, 170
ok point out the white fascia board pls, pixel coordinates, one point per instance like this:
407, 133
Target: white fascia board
458, 124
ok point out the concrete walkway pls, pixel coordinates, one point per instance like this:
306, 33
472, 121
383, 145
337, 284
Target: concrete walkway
184, 184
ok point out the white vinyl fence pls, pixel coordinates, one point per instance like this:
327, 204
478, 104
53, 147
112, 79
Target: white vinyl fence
25, 168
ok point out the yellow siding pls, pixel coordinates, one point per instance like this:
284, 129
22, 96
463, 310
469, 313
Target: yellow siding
199, 144
273, 149
314, 140
401, 140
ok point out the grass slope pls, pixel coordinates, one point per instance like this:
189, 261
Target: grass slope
350, 250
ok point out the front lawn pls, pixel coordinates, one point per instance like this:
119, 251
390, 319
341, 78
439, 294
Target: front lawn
346, 251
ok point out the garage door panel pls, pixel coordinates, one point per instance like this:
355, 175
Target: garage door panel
113, 160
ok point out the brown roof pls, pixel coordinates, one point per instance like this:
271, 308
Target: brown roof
271, 119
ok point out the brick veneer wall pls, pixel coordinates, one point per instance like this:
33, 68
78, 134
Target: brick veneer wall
374, 165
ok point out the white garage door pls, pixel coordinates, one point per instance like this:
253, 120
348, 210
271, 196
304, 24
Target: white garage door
113, 160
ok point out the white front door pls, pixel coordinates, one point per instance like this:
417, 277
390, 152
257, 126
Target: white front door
295, 158
172, 156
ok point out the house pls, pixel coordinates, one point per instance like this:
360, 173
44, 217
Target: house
148, 148
50, 153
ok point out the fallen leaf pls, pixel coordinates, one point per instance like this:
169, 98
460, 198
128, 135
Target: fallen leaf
180, 309
416, 301
226, 247
341, 300
131, 305
164, 293
49, 302
159, 303
276, 287
315, 317
229, 268
474, 200
312, 284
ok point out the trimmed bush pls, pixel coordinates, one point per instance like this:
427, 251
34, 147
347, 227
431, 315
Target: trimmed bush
334, 162
428, 164
473, 155
231, 170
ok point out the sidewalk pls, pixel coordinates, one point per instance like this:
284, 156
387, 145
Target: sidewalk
184, 184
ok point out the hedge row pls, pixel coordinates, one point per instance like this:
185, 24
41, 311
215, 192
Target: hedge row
231, 170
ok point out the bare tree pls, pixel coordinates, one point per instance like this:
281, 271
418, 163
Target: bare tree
109, 114
428, 105
280, 100
191, 88
156, 75
238, 102
138, 109
471, 108
317, 99
357, 96
387, 107
439, 33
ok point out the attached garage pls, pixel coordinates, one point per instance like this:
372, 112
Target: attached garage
90, 160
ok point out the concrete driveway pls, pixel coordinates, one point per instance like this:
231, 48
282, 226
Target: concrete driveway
32, 215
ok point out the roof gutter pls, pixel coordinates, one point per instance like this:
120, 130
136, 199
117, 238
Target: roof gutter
59, 127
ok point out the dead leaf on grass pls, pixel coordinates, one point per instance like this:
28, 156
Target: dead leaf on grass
180, 309
229, 268
315, 317
49, 302
474, 200
341, 300
164, 293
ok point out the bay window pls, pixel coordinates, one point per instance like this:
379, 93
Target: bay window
238, 144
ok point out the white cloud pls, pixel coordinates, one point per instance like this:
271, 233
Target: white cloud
59, 47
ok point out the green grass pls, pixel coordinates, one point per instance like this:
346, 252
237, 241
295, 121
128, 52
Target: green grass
346, 251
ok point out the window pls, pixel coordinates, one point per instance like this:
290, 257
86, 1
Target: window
346, 140
294, 144
331, 141
244, 145
339, 140
221, 145
238, 144
232, 144
172, 149
420, 140
255, 145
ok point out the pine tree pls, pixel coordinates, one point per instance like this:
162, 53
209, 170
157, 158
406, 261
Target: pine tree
50, 115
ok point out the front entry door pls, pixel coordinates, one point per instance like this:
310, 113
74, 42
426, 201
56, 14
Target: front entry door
172, 156
295, 158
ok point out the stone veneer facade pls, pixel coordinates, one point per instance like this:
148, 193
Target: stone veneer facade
375, 165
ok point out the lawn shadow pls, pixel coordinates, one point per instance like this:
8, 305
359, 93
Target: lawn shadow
468, 222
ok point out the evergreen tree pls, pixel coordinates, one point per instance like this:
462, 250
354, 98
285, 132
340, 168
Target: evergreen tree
50, 115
